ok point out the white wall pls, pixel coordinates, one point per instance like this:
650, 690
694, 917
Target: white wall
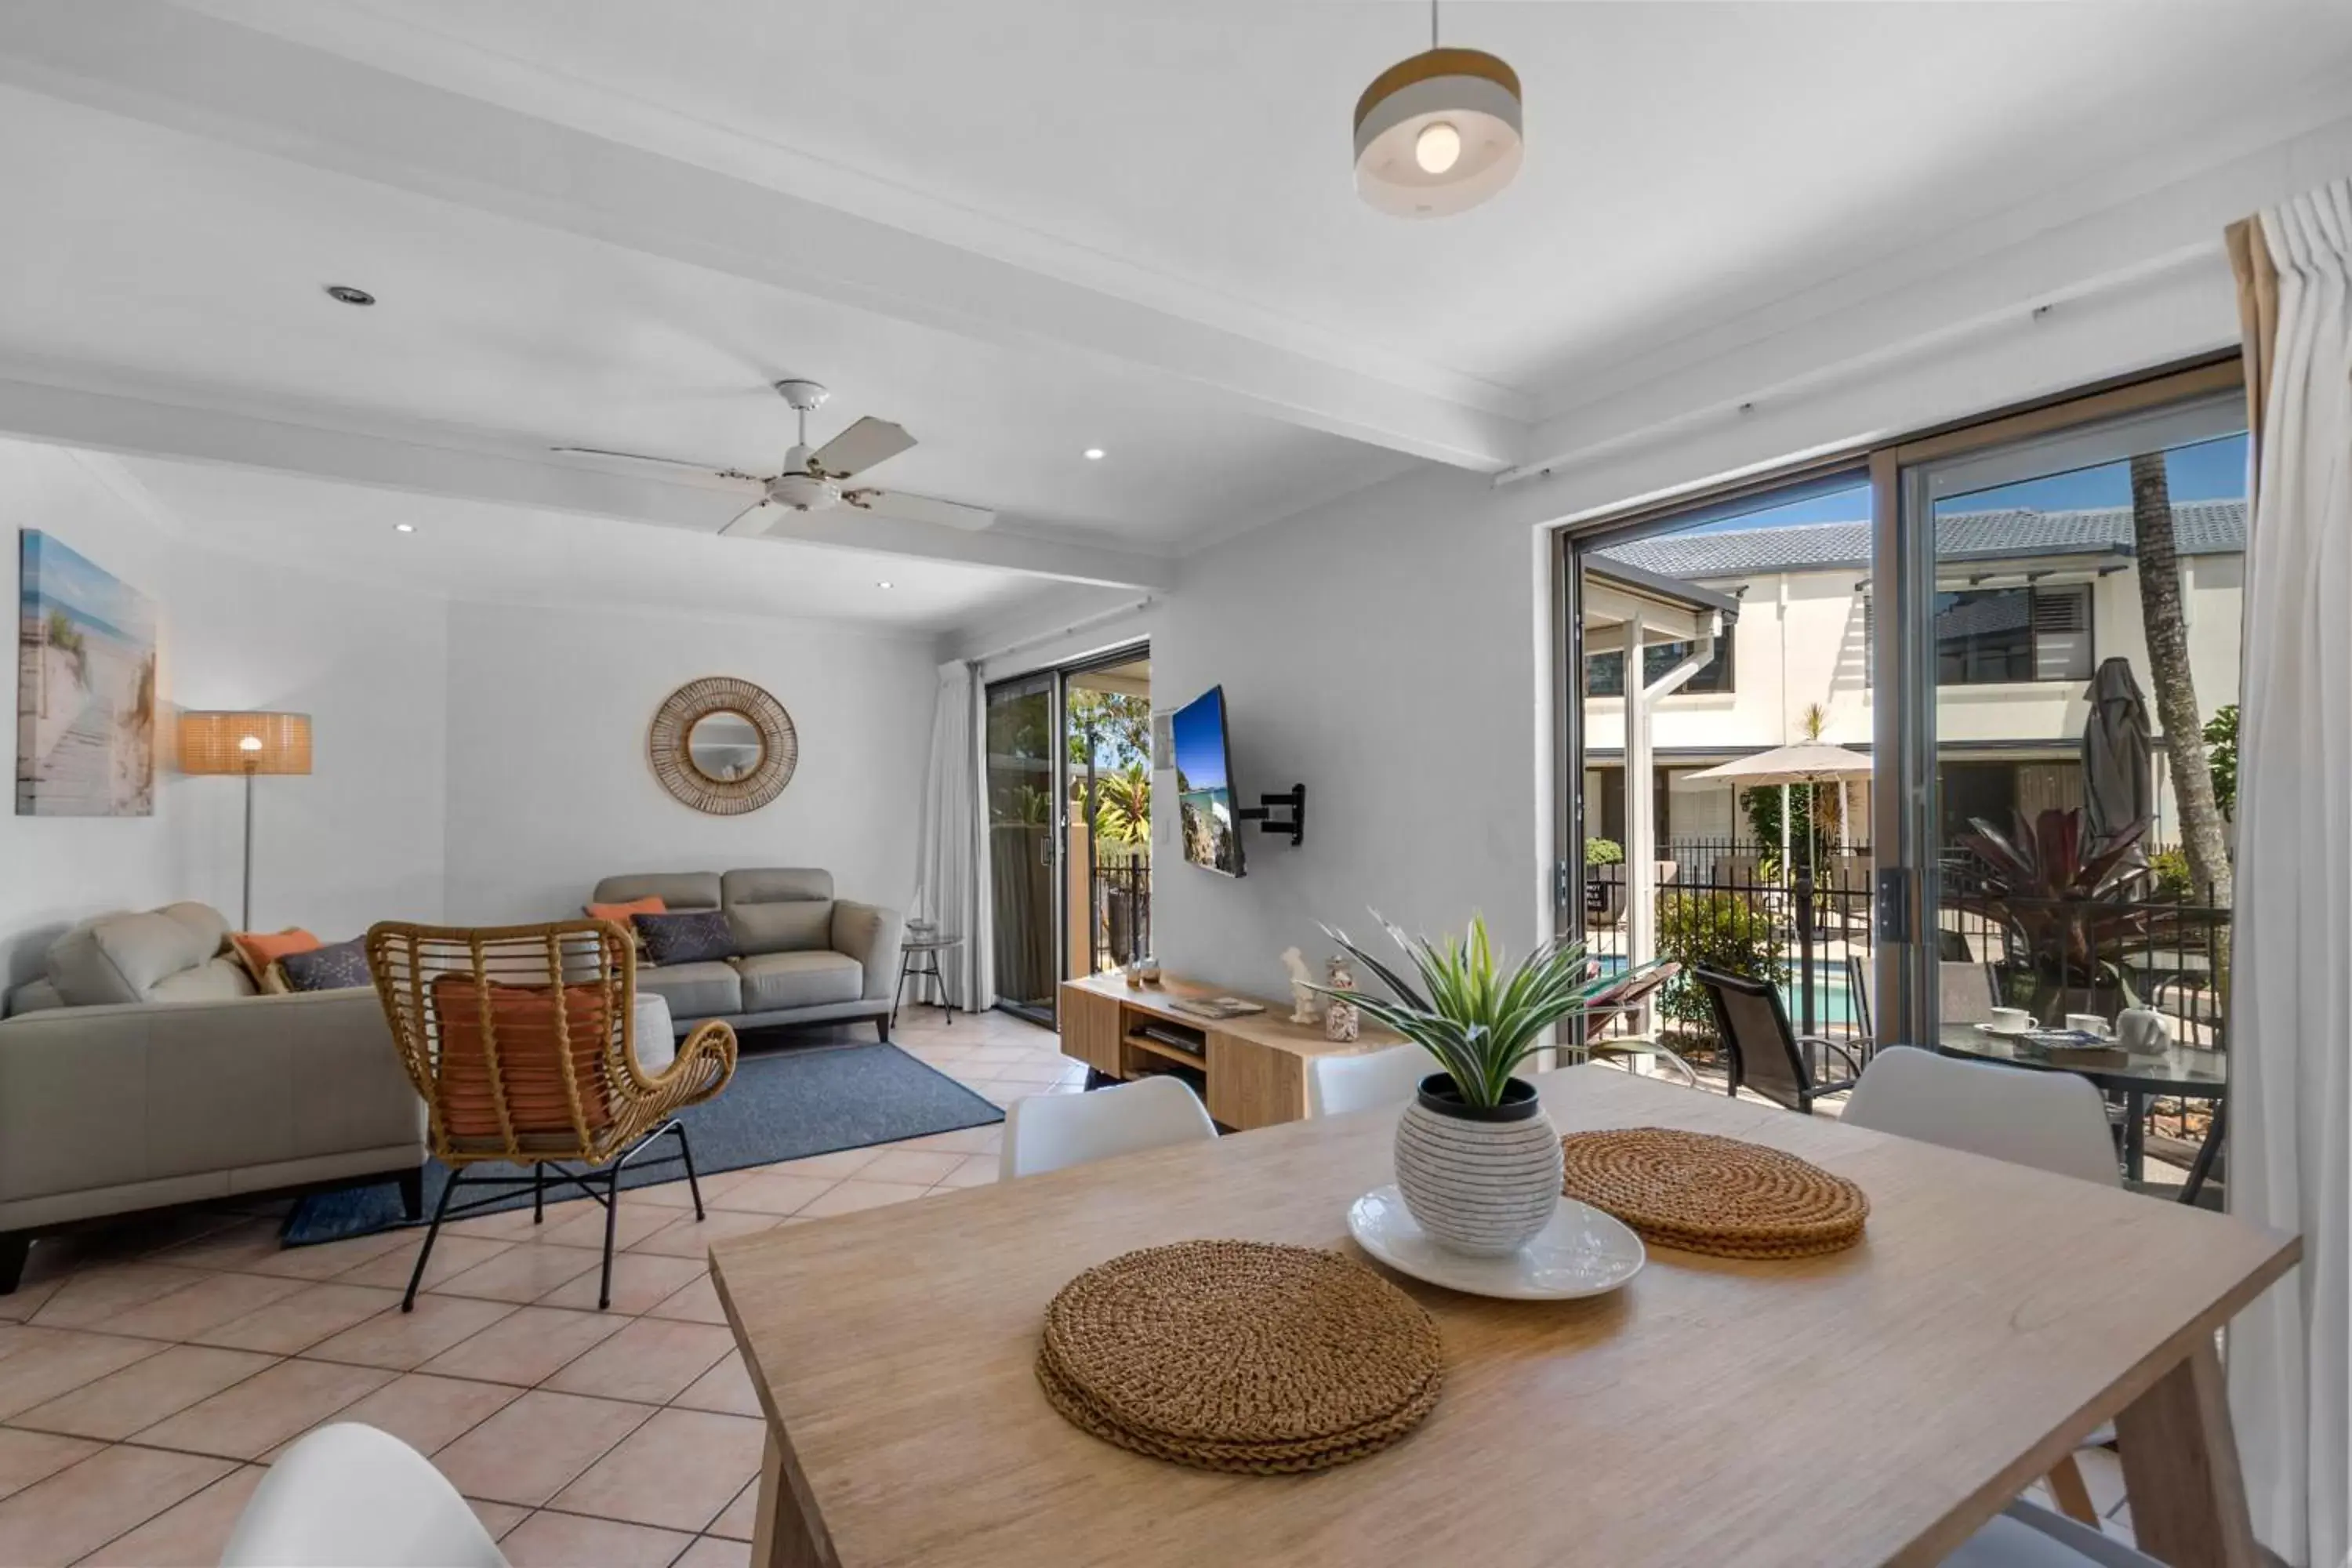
357, 840
548, 783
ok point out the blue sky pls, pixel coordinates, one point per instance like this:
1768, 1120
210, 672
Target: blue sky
55, 576
1199, 731
2209, 470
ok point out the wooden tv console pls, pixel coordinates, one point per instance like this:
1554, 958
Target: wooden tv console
1254, 1067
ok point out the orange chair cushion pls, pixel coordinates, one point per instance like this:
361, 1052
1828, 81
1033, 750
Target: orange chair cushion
529, 1057
257, 950
619, 913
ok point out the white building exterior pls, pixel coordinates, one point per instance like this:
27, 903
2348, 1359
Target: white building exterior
1803, 633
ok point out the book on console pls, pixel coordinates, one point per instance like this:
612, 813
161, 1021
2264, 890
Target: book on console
1216, 1006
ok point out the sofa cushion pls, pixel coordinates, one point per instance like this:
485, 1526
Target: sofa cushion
214, 980
120, 957
530, 1051
651, 1039
340, 967
690, 936
780, 910
764, 885
775, 980
675, 890
694, 990
258, 949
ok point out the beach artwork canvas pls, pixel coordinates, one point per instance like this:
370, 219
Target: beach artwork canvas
85, 688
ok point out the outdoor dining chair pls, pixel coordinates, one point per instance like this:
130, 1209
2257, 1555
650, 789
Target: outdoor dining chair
1767, 1055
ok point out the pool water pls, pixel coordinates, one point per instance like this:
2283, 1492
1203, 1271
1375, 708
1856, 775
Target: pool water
1830, 1003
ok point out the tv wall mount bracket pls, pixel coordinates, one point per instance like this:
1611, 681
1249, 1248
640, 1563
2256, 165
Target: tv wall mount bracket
1293, 800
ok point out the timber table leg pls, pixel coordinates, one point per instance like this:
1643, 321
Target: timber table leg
780, 1537
2180, 1469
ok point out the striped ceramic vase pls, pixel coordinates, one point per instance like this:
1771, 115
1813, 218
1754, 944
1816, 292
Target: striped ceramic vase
1480, 1180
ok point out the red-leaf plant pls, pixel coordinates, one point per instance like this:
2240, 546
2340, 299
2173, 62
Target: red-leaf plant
2067, 895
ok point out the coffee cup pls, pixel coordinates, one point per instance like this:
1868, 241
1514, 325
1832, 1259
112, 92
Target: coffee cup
2087, 1023
2011, 1020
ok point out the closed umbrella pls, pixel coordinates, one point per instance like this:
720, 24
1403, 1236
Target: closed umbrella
2118, 790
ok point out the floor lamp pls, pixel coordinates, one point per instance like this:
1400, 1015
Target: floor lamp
249, 745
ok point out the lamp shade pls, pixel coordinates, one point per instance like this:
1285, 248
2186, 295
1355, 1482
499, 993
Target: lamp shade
220, 743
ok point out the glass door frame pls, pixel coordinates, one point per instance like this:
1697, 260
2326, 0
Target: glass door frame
1057, 677
1904, 814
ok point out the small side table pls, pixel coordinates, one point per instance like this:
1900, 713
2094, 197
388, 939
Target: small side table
919, 959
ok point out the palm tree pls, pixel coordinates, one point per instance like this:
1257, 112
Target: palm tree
1123, 806
2167, 629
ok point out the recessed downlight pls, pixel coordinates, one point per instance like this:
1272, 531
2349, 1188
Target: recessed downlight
1093, 454
404, 528
344, 294
883, 585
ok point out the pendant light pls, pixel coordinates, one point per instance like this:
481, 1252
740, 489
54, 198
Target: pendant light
1439, 133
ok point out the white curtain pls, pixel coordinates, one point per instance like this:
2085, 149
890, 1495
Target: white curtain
2291, 998
952, 850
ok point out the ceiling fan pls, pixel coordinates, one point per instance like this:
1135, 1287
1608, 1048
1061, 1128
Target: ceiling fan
812, 480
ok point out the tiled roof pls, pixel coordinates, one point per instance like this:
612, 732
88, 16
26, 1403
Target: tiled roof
2200, 528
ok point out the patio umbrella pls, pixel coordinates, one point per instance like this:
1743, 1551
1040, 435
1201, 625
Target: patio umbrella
2117, 788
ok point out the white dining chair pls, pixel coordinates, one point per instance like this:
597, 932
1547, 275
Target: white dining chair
349, 1496
1365, 1079
2027, 1535
2052, 1121
1046, 1132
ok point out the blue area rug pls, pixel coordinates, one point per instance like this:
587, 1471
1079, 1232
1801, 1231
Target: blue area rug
783, 1104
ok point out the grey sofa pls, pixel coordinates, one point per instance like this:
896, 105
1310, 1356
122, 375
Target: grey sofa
144, 1070
802, 956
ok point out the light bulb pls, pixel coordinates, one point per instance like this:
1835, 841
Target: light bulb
1438, 147
249, 743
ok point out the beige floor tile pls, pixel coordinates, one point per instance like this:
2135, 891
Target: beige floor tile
427, 1413
82, 1508
725, 1388
510, 1224
715, 1551
653, 1361
326, 1260
266, 1410
923, 1167
187, 1535
404, 1340
521, 1274
29, 1456
217, 1299
497, 1518
233, 1246
768, 1192
534, 1447
973, 1170
742, 1517
143, 1393
641, 1280
637, 1221
686, 1236
452, 1255
678, 1470
675, 1195
527, 1347
301, 1319
697, 1303
839, 1163
88, 1300
547, 1540
46, 1362
29, 1296
962, 1141
855, 1193
1031, 1072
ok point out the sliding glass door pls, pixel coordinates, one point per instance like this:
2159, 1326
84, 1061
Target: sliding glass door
1023, 814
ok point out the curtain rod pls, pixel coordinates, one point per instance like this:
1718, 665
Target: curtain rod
1083, 624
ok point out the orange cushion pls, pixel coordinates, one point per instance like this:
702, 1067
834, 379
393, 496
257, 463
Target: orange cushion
619, 913
522, 1020
257, 950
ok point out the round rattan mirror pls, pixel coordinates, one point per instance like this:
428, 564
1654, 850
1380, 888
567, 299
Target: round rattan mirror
723, 745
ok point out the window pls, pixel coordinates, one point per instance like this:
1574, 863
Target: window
1990, 636
1605, 673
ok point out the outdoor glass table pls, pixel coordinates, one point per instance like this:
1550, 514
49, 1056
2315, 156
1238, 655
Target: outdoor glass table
2182, 1072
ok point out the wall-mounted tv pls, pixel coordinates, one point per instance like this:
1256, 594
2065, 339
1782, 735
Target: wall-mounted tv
1204, 784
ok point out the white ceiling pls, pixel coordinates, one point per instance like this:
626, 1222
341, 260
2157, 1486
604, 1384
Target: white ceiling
1019, 228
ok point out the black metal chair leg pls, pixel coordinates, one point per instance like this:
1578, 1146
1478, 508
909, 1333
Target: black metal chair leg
424, 1253
611, 1215
2202, 1168
686, 1152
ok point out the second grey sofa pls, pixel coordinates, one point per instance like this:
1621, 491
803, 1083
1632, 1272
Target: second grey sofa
802, 956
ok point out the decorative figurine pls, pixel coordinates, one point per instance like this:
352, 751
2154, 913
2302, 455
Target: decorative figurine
1341, 1022
1133, 973
1150, 969
1303, 1007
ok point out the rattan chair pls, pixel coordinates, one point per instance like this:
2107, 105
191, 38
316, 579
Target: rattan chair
511, 1076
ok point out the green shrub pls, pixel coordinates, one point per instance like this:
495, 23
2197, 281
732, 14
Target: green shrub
1603, 852
1729, 933
2172, 878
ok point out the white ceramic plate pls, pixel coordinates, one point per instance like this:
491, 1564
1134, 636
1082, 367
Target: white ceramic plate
2007, 1033
1582, 1252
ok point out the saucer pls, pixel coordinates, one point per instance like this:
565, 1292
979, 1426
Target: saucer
1580, 1252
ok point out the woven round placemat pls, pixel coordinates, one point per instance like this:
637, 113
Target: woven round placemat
1240, 1355
1700, 1193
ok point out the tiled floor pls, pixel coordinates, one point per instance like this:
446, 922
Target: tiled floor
149, 1372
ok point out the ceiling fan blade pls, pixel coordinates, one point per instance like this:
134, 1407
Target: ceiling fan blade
740, 525
648, 457
924, 508
862, 445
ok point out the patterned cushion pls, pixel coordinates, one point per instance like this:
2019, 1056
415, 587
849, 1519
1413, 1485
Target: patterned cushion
690, 936
259, 950
340, 967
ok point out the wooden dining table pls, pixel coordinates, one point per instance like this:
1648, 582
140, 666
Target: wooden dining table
1873, 1406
